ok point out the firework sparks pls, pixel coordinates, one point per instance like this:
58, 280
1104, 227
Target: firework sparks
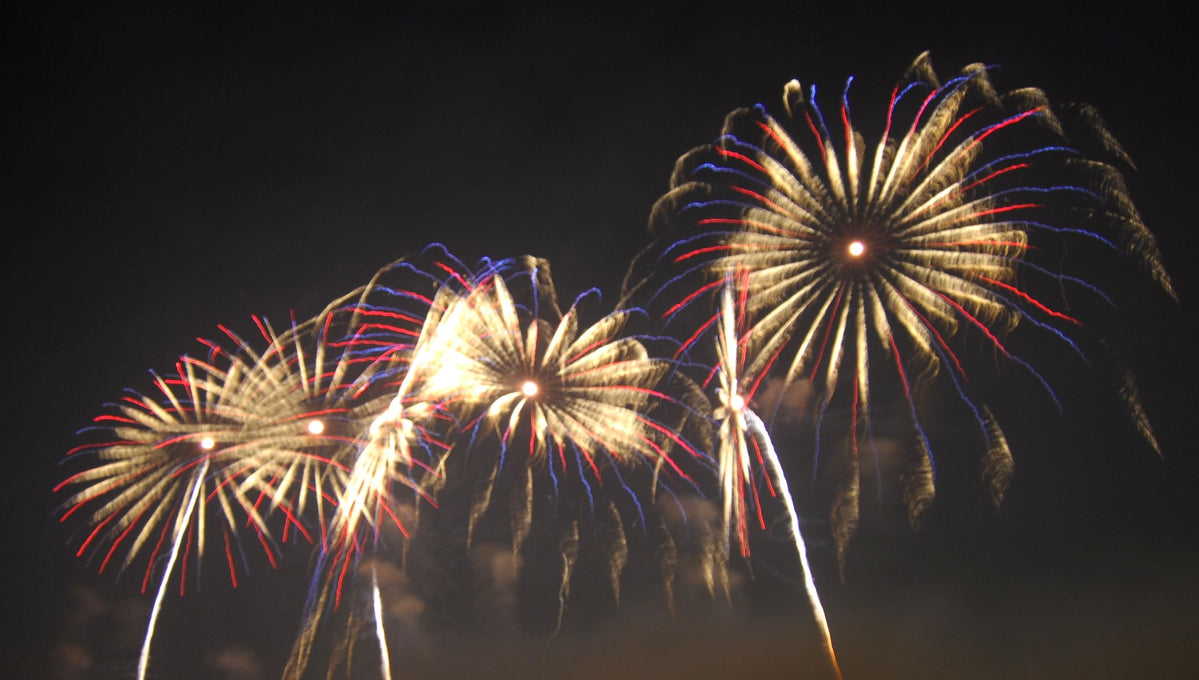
740, 431
853, 264
402, 443
860, 259
241, 434
580, 403
401, 447
501, 366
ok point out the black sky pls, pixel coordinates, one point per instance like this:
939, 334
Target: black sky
169, 169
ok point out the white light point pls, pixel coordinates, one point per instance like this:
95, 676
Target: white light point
207, 443
529, 389
737, 403
856, 248
316, 426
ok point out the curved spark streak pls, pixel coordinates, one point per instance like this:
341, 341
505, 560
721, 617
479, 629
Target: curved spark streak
399, 448
380, 634
758, 429
737, 421
143, 660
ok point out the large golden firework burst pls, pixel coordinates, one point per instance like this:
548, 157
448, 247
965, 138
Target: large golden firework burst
863, 259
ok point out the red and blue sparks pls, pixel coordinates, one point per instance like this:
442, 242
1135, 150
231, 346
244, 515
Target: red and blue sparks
857, 260
812, 257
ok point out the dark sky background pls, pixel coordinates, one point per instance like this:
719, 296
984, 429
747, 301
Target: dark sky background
169, 169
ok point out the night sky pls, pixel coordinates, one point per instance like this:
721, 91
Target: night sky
170, 169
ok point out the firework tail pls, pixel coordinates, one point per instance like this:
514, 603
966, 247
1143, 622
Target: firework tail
377, 601
758, 429
143, 660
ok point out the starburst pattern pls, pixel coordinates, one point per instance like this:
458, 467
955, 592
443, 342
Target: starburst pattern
861, 259
586, 412
581, 397
227, 442
860, 270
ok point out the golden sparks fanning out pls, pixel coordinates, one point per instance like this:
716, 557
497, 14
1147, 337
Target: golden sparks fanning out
865, 260
833, 270
399, 447
503, 366
590, 388
239, 434
575, 402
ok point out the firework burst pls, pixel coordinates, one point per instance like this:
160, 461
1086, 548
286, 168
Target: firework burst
565, 402
862, 270
860, 260
588, 389
401, 445
226, 443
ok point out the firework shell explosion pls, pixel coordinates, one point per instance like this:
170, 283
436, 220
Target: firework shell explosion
894, 257
509, 390
540, 398
862, 263
237, 434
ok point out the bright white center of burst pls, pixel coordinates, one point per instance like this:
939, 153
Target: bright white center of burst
316, 426
856, 248
529, 389
737, 402
207, 443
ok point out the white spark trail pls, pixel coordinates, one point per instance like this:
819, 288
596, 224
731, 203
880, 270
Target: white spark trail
144, 660
758, 429
384, 659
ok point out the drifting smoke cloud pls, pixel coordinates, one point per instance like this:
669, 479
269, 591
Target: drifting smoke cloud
96, 630
236, 662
